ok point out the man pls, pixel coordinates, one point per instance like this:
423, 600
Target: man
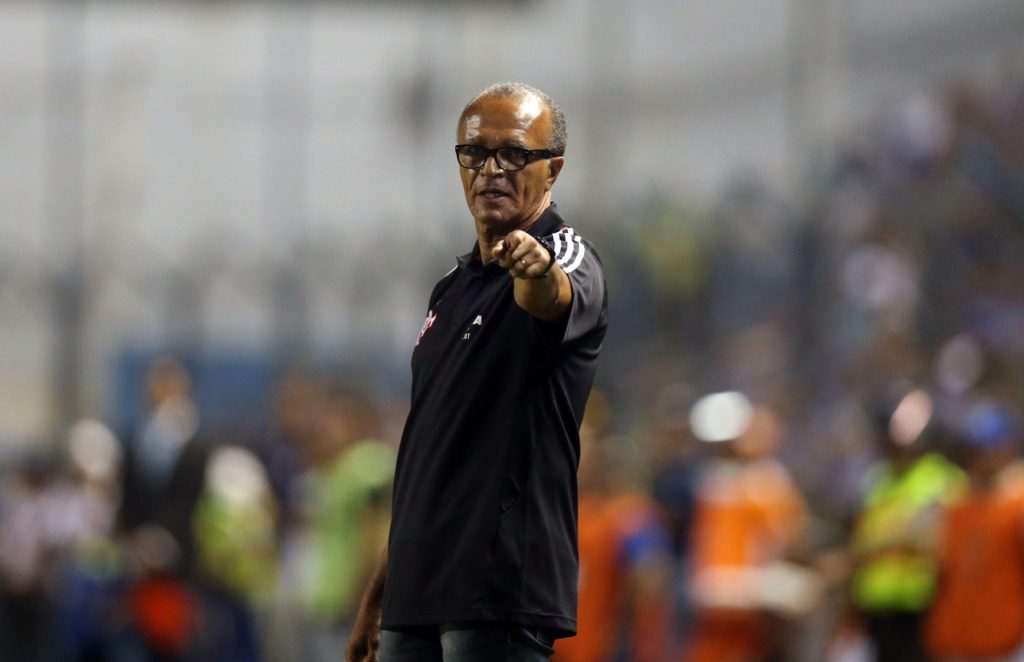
894, 540
165, 461
481, 561
748, 518
624, 557
978, 612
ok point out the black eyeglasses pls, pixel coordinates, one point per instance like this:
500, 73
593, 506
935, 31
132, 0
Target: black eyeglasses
509, 157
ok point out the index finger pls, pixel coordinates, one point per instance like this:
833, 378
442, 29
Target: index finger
527, 244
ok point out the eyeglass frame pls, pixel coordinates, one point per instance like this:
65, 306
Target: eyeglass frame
531, 156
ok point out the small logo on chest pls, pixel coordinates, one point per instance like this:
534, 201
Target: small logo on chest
477, 321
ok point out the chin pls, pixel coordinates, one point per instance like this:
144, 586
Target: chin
495, 217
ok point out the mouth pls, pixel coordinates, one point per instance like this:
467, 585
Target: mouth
492, 194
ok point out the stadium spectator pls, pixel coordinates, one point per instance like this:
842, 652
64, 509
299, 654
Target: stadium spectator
625, 561
348, 500
749, 519
894, 540
165, 460
978, 614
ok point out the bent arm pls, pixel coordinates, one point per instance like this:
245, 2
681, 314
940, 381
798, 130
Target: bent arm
545, 298
544, 293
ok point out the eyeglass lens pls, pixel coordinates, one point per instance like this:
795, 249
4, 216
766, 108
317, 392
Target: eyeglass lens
508, 158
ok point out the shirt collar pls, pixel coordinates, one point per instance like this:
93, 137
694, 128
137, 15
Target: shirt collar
548, 223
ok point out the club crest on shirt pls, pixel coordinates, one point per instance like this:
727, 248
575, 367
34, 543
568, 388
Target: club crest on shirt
427, 323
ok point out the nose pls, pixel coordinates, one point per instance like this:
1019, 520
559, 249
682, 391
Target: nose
490, 166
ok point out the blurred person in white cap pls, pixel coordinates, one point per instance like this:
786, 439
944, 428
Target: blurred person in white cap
749, 517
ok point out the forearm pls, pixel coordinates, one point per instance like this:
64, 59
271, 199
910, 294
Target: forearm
546, 298
374, 593
541, 287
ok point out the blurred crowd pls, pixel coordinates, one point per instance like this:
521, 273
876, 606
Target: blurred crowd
808, 447
163, 544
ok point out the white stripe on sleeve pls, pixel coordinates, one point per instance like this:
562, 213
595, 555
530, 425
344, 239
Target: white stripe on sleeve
579, 258
564, 258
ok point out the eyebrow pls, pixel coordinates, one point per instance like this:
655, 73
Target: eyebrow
511, 143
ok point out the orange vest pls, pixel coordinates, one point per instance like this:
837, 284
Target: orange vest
748, 515
601, 581
979, 608
612, 609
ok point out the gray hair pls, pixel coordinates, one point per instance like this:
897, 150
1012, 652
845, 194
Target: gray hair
559, 136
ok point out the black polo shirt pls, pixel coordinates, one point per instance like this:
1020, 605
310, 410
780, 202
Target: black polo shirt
484, 512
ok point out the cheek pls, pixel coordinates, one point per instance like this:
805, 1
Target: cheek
532, 188
466, 176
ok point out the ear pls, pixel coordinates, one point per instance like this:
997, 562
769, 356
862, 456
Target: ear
555, 164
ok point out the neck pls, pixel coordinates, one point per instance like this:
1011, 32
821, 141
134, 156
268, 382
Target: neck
488, 236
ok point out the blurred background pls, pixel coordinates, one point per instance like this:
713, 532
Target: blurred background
221, 221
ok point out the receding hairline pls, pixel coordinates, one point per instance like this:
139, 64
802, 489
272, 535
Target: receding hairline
514, 90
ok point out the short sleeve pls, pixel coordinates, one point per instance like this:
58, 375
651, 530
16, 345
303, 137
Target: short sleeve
578, 259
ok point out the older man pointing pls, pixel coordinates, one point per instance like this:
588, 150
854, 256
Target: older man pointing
481, 563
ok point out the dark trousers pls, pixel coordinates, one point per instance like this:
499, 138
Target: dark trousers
897, 637
465, 642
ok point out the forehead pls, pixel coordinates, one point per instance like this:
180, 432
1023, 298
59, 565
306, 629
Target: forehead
523, 119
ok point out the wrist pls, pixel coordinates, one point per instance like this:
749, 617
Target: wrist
551, 258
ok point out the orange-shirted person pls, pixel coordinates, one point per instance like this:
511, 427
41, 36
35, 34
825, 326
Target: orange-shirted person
978, 613
748, 517
623, 604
